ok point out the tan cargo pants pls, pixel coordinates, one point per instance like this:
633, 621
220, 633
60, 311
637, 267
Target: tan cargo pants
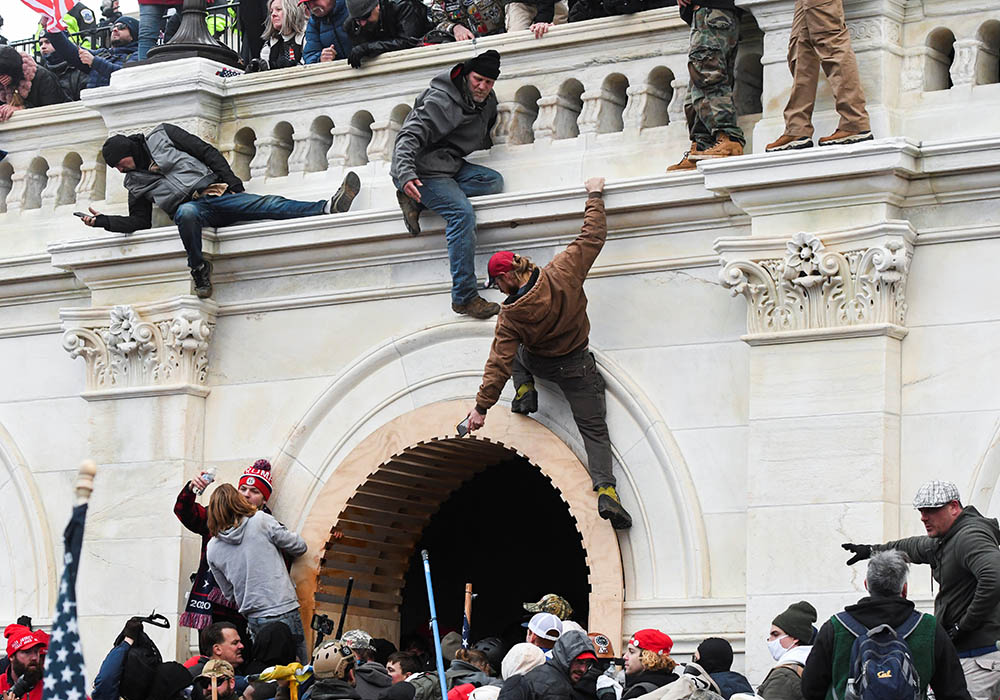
819, 38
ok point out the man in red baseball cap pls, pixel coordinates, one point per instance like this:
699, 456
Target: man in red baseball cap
26, 650
543, 331
648, 665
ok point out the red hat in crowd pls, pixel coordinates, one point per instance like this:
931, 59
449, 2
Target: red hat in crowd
258, 476
499, 263
586, 655
652, 640
20, 638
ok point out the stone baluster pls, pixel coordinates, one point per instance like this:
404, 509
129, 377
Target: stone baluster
912, 78
963, 67
514, 124
298, 160
271, 159
348, 147
61, 187
590, 115
383, 140
90, 188
602, 112
675, 110
557, 118
647, 106
19, 184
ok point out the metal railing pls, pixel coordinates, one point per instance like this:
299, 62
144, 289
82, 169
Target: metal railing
221, 21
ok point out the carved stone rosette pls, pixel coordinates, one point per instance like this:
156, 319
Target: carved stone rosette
127, 354
813, 288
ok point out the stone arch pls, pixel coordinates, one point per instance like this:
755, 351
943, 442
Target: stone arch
281, 149
37, 179
985, 481
526, 97
660, 92
568, 109
321, 138
940, 53
72, 166
362, 123
244, 150
405, 373
29, 572
381, 529
615, 87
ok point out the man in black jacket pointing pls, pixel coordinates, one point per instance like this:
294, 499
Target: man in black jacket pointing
192, 182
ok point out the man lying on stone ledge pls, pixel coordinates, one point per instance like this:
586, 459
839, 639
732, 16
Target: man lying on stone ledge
192, 182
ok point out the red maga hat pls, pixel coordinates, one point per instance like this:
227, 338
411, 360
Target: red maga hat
652, 640
499, 263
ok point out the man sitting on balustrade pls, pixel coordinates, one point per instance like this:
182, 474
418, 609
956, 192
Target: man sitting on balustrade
381, 26
191, 181
327, 38
451, 119
100, 64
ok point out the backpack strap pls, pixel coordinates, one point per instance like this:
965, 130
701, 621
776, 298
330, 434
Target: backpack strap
851, 624
794, 666
904, 630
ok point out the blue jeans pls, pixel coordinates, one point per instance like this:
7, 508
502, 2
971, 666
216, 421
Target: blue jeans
150, 19
230, 208
293, 621
449, 197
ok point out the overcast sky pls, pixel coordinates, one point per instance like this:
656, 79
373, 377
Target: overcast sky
19, 20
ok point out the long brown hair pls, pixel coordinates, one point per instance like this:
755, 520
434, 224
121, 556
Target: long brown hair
226, 508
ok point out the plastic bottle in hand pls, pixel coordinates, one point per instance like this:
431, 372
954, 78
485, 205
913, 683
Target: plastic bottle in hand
209, 476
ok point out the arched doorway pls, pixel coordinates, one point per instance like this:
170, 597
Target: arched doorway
386, 492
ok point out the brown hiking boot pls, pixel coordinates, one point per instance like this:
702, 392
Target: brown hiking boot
843, 138
411, 212
723, 148
477, 307
789, 143
685, 162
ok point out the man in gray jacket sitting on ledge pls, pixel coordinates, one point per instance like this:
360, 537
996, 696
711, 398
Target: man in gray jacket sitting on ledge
192, 182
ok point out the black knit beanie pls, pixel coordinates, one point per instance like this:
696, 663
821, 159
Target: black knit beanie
115, 149
797, 621
715, 655
487, 64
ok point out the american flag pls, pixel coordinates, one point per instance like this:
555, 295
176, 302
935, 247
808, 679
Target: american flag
63, 678
53, 9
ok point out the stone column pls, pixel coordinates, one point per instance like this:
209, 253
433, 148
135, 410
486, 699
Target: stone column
146, 367
824, 277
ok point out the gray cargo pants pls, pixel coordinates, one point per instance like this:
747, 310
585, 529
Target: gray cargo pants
583, 386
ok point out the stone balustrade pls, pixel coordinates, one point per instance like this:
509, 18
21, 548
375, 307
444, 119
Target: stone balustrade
605, 95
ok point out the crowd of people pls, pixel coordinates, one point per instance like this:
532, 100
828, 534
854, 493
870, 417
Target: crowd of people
252, 643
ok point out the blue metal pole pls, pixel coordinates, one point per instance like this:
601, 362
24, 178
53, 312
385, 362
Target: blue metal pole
434, 625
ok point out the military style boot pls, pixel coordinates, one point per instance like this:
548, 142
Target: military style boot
610, 508
203, 280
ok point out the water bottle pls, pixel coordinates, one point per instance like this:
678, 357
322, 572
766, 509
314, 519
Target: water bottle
209, 476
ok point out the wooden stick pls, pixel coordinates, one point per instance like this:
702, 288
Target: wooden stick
468, 603
85, 481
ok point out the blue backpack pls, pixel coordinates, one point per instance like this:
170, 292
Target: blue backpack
882, 665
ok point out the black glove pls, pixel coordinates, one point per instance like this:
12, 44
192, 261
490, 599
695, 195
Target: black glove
357, 53
133, 628
860, 552
256, 65
954, 632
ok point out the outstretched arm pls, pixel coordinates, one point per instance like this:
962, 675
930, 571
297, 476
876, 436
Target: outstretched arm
580, 255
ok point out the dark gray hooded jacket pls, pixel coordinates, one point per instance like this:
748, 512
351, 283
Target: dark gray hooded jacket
551, 680
445, 126
371, 679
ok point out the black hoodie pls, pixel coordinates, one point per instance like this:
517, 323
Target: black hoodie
551, 680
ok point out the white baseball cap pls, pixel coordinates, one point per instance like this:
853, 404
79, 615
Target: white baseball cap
546, 625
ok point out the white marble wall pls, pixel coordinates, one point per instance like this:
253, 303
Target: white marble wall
746, 456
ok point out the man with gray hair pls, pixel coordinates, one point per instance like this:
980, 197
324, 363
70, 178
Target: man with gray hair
963, 549
933, 655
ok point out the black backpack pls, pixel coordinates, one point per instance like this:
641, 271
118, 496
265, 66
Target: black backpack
141, 663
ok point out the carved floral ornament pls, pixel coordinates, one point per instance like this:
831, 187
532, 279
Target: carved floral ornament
812, 287
131, 353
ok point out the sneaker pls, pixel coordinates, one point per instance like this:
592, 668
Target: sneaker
526, 400
789, 143
477, 307
610, 508
842, 138
723, 148
203, 280
349, 188
411, 212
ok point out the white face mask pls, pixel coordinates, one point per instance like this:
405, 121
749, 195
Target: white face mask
774, 646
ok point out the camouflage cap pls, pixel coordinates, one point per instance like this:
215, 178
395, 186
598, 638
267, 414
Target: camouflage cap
551, 603
357, 640
217, 668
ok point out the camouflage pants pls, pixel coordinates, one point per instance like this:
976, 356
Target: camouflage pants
709, 106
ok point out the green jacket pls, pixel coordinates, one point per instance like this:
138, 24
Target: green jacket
966, 564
